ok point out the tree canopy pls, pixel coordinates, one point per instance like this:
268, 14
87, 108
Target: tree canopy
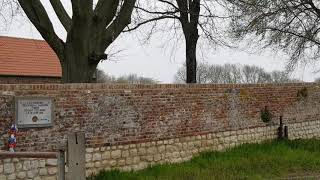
289, 25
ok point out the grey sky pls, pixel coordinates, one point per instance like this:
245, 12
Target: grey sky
153, 60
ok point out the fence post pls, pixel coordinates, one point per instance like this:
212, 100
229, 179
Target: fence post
76, 156
280, 129
286, 136
61, 165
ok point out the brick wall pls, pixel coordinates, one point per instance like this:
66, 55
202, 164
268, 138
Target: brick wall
133, 126
28, 80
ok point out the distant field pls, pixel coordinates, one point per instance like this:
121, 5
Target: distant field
268, 160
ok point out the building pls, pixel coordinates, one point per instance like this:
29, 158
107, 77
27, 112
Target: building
28, 61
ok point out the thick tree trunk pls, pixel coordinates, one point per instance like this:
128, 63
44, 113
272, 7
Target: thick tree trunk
83, 73
76, 67
191, 57
89, 32
189, 18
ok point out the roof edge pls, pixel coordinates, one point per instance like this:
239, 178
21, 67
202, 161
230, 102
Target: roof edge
24, 38
15, 75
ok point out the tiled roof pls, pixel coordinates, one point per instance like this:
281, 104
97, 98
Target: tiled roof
28, 57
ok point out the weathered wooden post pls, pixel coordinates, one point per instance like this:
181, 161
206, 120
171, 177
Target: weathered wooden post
61, 165
280, 129
76, 156
286, 136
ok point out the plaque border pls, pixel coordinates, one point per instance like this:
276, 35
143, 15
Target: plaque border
17, 98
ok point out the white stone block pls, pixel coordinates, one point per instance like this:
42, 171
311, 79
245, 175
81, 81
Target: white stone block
21, 175
43, 171
51, 162
12, 177
8, 168
96, 157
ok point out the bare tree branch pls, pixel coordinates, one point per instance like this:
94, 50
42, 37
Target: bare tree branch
105, 12
62, 14
313, 6
148, 21
288, 25
122, 20
39, 17
194, 17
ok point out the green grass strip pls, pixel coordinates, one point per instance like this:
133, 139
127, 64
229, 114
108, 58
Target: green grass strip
267, 160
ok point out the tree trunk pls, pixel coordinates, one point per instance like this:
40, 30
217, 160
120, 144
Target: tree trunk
76, 67
191, 57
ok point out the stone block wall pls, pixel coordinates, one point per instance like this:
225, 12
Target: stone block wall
133, 126
141, 155
27, 168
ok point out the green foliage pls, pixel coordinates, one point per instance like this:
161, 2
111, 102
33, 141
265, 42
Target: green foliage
265, 115
302, 93
268, 160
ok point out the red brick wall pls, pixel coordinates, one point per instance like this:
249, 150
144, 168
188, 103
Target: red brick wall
28, 80
125, 114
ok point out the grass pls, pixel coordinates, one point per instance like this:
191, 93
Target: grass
268, 160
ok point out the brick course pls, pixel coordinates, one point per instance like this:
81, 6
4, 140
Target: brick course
28, 80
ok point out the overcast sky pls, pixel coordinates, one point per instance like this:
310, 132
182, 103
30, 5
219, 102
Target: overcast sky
157, 60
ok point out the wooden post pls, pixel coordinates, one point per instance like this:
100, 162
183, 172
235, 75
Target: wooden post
76, 156
280, 129
286, 136
61, 165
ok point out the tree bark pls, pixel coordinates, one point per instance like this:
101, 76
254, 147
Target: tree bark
189, 18
77, 67
191, 57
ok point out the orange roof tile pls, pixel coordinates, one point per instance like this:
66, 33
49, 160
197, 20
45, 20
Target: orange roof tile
28, 57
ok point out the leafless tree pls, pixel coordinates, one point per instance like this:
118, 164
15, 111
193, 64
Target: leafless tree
90, 31
279, 76
102, 77
135, 79
289, 25
215, 74
196, 18
234, 74
203, 74
254, 74
231, 74
8, 9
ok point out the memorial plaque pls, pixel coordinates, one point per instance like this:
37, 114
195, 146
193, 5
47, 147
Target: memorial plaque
34, 112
